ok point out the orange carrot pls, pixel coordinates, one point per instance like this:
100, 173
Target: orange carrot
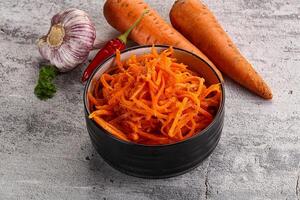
121, 14
197, 23
141, 105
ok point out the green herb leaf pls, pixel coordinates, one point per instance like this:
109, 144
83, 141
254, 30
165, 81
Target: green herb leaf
45, 88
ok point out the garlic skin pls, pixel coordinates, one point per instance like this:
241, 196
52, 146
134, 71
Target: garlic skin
69, 40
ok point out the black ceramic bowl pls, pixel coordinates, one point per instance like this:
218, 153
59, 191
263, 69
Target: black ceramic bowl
158, 161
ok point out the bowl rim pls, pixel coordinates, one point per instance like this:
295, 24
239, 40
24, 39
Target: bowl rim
201, 133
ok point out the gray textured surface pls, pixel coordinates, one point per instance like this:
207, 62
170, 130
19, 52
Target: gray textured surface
45, 152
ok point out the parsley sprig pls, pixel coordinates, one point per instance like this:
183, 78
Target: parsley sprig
45, 87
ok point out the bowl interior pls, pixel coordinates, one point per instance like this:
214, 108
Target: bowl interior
195, 64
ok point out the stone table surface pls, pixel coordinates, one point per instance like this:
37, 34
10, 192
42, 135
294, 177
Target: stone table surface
45, 151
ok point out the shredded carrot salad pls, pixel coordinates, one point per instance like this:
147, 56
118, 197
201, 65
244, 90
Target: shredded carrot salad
151, 99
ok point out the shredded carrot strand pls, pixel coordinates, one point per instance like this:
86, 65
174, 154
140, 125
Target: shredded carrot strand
178, 114
99, 113
110, 128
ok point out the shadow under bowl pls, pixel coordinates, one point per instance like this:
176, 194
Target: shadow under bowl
157, 161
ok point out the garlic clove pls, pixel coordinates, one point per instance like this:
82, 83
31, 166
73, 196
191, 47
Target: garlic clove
43, 47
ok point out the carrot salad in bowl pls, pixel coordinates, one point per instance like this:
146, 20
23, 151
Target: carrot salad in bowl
152, 99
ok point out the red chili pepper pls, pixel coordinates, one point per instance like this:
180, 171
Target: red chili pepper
109, 49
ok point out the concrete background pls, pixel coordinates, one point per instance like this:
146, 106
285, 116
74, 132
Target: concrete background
45, 152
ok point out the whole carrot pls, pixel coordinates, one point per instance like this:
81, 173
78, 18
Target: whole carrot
120, 14
197, 23
110, 48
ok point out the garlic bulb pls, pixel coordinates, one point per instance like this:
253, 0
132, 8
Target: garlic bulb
69, 40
